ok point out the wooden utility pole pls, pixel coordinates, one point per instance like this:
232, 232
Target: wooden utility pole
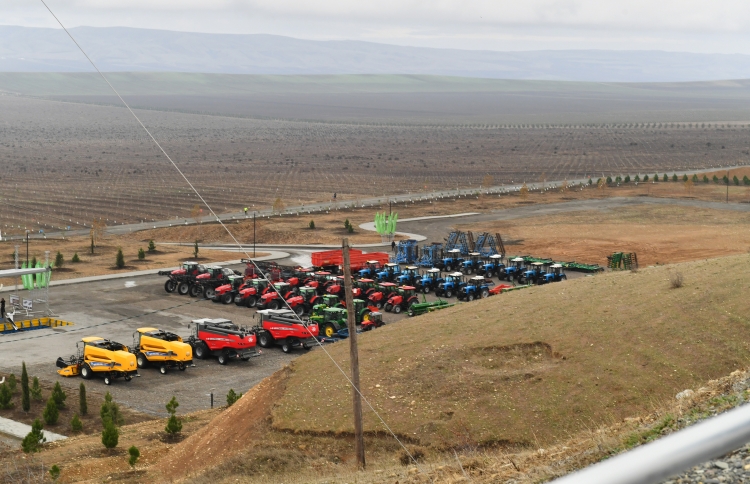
359, 439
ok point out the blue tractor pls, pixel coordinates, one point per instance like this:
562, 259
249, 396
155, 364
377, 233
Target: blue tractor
531, 274
452, 262
477, 287
472, 264
555, 273
452, 284
516, 267
390, 272
430, 280
409, 276
369, 271
493, 267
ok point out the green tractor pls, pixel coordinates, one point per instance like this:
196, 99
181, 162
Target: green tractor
333, 319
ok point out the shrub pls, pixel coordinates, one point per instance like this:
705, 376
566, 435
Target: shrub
58, 395
746, 180
12, 383
34, 439
736, 180
705, 179
174, 424
195, 250
111, 411
618, 180
232, 397
347, 224
645, 178
59, 260
684, 178
675, 280
110, 434
141, 254
75, 259
134, 455
51, 413
716, 179
76, 424
725, 179
151, 246
120, 260
590, 182
674, 177
25, 395
627, 179
609, 180
695, 178
54, 472
83, 406
36, 390
666, 178
5, 396
311, 225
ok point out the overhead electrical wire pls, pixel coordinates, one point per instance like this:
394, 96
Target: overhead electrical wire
241, 247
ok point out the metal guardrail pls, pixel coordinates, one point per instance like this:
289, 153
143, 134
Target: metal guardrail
655, 462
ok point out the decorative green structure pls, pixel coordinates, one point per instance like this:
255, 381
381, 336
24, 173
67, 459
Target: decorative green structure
385, 225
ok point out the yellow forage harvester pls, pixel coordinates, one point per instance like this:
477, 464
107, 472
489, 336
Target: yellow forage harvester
101, 357
162, 349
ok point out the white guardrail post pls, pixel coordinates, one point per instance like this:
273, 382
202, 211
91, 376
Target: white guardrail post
673, 454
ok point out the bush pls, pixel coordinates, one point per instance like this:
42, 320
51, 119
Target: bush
627, 179
705, 179
347, 224
34, 439
675, 280
76, 424
134, 455
609, 180
141, 254
111, 411
54, 472
645, 178
195, 250
311, 225
666, 178
120, 260
51, 413
58, 395
36, 390
684, 178
725, 179
110, 434
232, 397
695, 178
716, 179
75, 259
736, 180
151, 246
746, 180
6, 396
174, 424
25, 395
83, 406
12, 383
59, 260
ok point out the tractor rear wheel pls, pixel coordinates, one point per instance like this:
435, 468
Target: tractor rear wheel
329, 330
223, 358
107, 380
227, 298
201, 350
209, 293
183, 288
286, 346
86, 372
170, 285
141, 360
251, 301
397, 308
265, 340
194, 290
485, 293
163, 369
388, 307
490, 274
448, 268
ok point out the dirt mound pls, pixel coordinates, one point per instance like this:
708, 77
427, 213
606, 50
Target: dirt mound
230, 432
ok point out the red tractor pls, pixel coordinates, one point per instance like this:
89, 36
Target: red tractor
319, 281
272, 299
251, 291
380, 296
402, 299
303, 302
214, 277
182, 280
223, 339
282, 327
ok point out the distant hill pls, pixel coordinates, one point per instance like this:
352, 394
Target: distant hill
137, 50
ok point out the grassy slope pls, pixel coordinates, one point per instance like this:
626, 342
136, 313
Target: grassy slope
535, 366
175, 83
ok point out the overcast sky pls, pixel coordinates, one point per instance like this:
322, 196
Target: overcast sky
719, 26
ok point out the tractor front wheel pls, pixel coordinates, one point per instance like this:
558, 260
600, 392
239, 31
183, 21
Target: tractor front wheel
397, 308
163, 369
86, 372
209, 293
141, 360
426, 289
170, 286
448, 293
183, 288
379, 304
448, 268
238, 300
223, 358
194, 290
251, 301
470, 297
388, 307
227, 298
274, 304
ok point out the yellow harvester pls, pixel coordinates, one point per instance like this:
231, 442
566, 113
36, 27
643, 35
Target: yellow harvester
161, 348
99, 357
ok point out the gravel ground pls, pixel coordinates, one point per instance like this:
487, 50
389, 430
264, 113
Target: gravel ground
731, 468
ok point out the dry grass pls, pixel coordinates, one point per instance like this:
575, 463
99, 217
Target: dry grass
532, 367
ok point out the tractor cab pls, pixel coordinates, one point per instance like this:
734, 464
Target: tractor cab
453, 260
533, 272
305, 274
332, 300
390, 272
493, 267
283, 288
472, 264
366, 285
211, 273
409, 276
370, 269
189, 268
251, 293
307, 293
